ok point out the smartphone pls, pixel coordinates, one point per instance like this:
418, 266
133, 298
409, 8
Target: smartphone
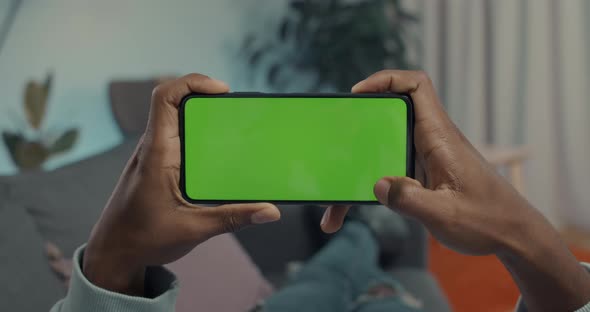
293, 148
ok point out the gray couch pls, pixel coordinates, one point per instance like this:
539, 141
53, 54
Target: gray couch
34, 209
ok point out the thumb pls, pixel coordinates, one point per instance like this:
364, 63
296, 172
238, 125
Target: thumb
231, 218
408, 197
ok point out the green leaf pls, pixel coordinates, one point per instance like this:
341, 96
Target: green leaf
12, 141
35, 105
30, 155
26, 155
339, 41
65, 142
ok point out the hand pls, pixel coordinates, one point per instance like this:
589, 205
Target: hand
464, 203
470, 208
146, 221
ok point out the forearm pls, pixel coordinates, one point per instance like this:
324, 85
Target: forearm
548, 275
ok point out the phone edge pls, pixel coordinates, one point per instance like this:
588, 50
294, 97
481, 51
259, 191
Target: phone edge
410, 147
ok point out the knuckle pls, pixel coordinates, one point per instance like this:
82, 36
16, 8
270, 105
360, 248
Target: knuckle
386, 72
400, 194
230, 223
386, 75
196, 76
436, 130
152, 151
457, 184
159, 92
405, 194
382, 74
422, 77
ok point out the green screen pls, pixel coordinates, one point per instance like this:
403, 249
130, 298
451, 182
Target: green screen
292, 149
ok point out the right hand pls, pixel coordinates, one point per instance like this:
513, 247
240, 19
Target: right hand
470, 208
465, 203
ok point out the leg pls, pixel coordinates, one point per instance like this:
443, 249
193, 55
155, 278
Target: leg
332, 279
384, 294
350, 257
343, 276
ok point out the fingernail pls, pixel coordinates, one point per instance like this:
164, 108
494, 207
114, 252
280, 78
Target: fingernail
325, 217
382, 190
265, 215
356, 86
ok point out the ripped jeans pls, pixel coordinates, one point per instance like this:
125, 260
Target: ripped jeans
343, 277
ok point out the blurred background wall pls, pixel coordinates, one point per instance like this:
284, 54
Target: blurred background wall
86, 44
516, 73
511, 73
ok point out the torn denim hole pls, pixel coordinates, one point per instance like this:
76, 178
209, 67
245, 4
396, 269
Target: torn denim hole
386, 290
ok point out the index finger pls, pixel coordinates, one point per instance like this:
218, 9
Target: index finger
415, 83
163, 119
334, 218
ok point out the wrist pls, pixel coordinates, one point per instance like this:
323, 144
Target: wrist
110, 271
526, 234
548, 275
532, 240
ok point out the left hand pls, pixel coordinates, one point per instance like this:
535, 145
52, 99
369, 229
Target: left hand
146, 221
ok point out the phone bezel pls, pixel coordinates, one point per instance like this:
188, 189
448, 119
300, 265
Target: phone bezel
410, 150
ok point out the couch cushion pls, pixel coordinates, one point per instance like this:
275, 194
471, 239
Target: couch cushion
24, 269
218, 275
65, 203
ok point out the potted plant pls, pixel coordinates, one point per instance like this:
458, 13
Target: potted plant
334, 43
30, 153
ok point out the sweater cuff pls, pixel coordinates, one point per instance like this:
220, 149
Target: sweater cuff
520, 307
84, 296
585, 308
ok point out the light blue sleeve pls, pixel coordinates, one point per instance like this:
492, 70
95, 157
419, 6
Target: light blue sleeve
84, 296
520, 307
